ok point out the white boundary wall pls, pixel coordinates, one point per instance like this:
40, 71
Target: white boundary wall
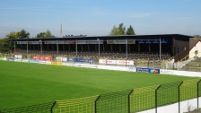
185, 106
181, 73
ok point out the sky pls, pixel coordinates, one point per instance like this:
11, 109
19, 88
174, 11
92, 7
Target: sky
97, 17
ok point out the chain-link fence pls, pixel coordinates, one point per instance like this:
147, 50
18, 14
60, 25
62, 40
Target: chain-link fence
40, 108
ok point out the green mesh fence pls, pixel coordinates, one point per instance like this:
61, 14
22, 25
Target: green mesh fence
199, 88
41, 108
188, 89
142, 98
80, 105
117, 102
167, 93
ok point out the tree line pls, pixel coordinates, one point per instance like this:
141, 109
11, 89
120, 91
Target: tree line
6, 44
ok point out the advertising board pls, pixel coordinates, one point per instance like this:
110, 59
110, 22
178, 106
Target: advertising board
125, 62
148, 70
48, 58
117, 62
64, 59
155, 71
36, 57
58, 59
18, 60
25, 60
45, 62
34, 61
104, 61
82, 60
10, 59
18, 56
143, 70
56, 63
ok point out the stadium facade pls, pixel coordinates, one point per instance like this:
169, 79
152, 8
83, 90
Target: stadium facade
162, 46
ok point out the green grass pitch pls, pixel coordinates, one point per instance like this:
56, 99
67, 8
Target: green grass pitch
24, 84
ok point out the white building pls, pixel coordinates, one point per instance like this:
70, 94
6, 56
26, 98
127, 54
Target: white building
195, 50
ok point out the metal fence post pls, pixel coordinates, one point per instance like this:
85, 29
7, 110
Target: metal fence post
129, 110
95, 108
53, 107
156, 98
179, 96
198, 87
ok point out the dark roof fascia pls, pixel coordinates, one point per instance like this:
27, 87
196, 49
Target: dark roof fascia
110, 37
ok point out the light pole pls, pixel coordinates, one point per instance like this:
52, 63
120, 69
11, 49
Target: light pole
98, 47
57, 47
41, 51
14, 47
27, 47
126, 49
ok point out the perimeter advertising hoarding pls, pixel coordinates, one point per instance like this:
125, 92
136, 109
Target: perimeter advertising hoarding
82, 60
58, 59
64, 59
45, 62
56, 63
36, 57
148, 70
46, 58
117, 62
34, 61
10, 59
156, 71
18, 56
18, 60
143, 70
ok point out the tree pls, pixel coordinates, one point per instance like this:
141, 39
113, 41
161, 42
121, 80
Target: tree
197, 36
18, 35
114, 31
130, 31
118, 31
24, 34
46, 34
6, 44
121, 30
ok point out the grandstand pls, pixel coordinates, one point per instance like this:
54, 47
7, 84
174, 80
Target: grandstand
144, 50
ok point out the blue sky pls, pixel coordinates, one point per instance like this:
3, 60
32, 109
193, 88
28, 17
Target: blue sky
97, 17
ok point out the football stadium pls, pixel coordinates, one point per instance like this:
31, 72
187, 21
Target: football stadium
101, 74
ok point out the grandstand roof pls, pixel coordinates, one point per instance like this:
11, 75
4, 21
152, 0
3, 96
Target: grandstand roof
112, 37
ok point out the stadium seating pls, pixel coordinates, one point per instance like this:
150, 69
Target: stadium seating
194, 65
141, 59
